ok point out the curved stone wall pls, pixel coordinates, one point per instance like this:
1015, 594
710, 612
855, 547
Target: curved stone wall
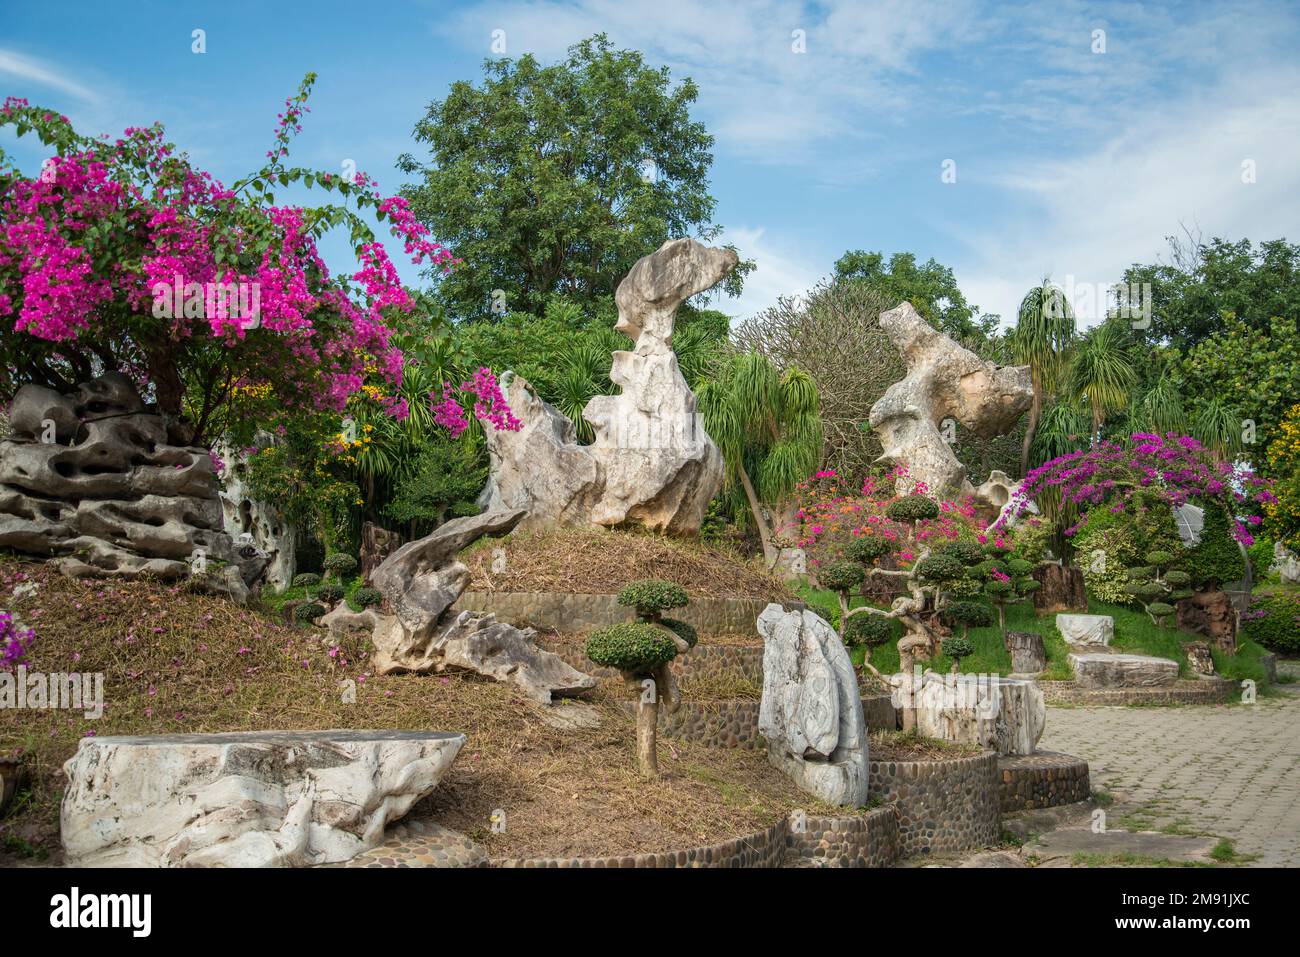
1043, 779
944, 807
570, 613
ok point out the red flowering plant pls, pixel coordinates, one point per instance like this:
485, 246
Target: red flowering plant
121, 255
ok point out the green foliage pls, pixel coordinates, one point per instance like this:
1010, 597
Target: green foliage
306, 580
308, 612
1216, 560
912, 508
366, 597
841, 576
340, 564
934, 569
967, 553
632, 647
538, 177
1274, 621
650, 597
1101, 373
330, 592
971, 614
958, 648
442, 479
867, 549
682, 629
868, 629
1111, 545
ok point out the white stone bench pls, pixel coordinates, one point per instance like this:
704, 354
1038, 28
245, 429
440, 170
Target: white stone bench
1113, 670
1086, 629
244, 799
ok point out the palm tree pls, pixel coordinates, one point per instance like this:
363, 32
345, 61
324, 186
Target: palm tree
766, 424
1218, 427
1160, 411
1043, 333
1101, 374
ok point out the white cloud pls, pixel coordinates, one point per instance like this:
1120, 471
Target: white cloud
36, 71
781, 269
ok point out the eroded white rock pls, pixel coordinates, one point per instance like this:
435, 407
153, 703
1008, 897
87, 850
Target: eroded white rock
244, 799
1006, 715
1086, 629
811, 712
1097, 671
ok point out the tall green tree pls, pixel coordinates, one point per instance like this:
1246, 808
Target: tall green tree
1043, 334
556, 179
1101, 373
765, 422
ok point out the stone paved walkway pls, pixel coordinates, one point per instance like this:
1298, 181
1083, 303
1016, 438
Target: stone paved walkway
1230, 771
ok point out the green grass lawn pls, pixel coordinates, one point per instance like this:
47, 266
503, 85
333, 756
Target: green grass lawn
1134, 633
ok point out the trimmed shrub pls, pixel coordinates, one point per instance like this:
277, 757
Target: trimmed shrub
330, 591
841, 576
635, 647
912, 508
652, 596
968, 553
867, 549
939, 568
340, 564
1274, 621
971, 614
306, 580
1217, 560
308, 612
365, 597
957, 648
682, 629
868, 630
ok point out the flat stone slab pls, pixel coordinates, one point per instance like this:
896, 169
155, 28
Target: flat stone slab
1139, 844
1086, 629
1122, 671
244, 799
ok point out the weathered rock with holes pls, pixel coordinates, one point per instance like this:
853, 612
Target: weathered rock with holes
1086, 629
1199, 657
420, 582
811, 712
91, 481
1006, 715
1210, 613
255, 524
944, 381
244, 799
651, 462
1061, 589
1094, 671
1286, 564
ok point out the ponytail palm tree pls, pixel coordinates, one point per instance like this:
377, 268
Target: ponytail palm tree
1101, 374
1044, 331
768, 429
1217, 426
1161, 410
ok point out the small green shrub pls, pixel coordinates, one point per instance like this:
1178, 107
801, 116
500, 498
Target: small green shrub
841, 576
365, 597
968, 553
330, 591
652, 596
636, 647
912, 508
971, 614
1217, 560
682, 629
308, 612
306, 580
939, 568
340, 565
867, 629
1274, 621
958, 648
866, 549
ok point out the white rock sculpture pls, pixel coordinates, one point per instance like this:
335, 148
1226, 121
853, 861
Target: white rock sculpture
1286, 564
247, 520
1096, 671
811, 712
1006, 715
946, 387
244, 799
417, 631
651, 462
1086, 629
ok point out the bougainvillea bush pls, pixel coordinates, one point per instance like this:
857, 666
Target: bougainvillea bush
120, 254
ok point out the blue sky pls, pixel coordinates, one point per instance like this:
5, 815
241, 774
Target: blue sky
1069, 162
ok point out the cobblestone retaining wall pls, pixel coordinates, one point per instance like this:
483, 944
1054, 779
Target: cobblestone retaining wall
870, 840
1044, 779
944, 807
569, 613
1207, 691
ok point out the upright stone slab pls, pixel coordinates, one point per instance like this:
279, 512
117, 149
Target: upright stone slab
1122, 671
244, 799
1028, 657
811, 712
1086, 629
1006, 715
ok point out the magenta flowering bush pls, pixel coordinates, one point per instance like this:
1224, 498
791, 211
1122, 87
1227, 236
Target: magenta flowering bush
14, 642
489, 404
1175, 468
120, 254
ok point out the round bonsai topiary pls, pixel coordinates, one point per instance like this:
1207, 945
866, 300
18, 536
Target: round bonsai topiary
308, 612
365, 597
632, 647
652, 597
306, 580
912, 508
330, 591
870, 630
867, 549
682, 629
340, 564
968, 553
841, 576
958, 648
939, 568
968, 614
